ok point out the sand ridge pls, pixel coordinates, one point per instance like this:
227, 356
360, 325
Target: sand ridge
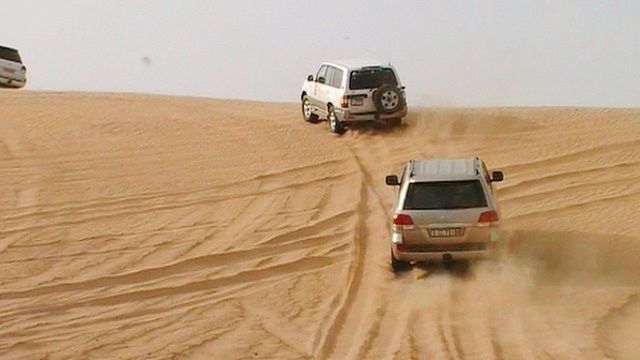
158, 227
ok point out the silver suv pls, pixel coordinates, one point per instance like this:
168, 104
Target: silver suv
348, 91
13, 73
446, 209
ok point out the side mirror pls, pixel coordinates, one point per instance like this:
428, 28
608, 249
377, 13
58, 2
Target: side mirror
392, 180
321, 80
497, 176
310, 77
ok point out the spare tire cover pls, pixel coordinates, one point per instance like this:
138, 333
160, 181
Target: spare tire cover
388, 99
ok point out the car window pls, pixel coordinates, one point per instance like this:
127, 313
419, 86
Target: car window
322, 74
10, 54
445, 195
337, 78
371, 78
329, 77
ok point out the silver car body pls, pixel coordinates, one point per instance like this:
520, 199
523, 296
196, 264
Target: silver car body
13, 74
446, 234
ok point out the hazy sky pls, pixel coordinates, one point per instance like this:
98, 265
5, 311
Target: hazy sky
454, 53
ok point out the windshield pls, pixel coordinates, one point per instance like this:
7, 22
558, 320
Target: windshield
445, 195
372, 78
9, 54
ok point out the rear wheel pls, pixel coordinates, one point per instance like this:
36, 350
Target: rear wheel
307, 115
399, 265
335, 125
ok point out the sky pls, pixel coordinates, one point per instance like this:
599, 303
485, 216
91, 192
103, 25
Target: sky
447, 53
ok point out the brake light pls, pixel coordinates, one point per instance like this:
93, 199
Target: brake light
400, 247
402, 219
344, 102
488, 217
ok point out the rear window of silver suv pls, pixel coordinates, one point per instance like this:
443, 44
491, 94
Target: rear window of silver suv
371, 78
445, 195
10, 54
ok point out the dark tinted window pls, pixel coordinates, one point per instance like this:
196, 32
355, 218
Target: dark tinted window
329, 77
322, 73
445, 195
371, 78
10, 54
337, 78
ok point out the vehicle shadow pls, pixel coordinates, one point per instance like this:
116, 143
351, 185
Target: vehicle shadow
458, 269
374, 127
369, 128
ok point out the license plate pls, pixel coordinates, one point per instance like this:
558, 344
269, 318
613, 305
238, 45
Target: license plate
446, 232
9, 70
357, 101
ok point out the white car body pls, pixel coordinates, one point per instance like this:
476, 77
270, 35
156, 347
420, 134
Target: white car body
333, 86
13, 74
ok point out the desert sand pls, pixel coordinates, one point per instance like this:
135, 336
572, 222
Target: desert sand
163, 227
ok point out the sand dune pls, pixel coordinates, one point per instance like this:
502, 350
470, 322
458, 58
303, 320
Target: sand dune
160, 227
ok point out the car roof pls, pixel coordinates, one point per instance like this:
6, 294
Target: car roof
444, 169
7, 48
356, 63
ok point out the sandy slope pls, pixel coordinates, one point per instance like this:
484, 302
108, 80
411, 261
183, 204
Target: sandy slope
159, 227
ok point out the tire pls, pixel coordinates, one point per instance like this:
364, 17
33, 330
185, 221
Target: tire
394, 122
388, 99
307, 115
399, 265
335, 125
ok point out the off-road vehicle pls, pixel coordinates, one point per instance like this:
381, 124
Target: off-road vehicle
348, 91
13, 74
447, 209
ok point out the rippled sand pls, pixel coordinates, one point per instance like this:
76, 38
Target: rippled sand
157, 227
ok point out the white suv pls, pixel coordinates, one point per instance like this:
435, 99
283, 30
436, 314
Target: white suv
13, 74
446, 209
353, 90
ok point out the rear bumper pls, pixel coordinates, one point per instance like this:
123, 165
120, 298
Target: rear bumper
346, 115
444, 254
13, 83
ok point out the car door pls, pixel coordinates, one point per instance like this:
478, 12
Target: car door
335, 89
364, 82
324, 87
316, 97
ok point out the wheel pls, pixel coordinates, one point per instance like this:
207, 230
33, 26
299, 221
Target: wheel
307, 115
335, 126
394, 122
399, 265
388, 99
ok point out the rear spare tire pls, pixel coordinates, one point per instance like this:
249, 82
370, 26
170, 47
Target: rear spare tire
388, 99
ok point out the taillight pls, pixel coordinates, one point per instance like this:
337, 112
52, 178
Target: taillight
344, 102
402, 219
400, 247
488, 217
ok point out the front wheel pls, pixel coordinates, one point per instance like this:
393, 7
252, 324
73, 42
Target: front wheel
335, 125
307, 115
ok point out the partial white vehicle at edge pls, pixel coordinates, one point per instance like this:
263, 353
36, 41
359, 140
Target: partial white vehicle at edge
13, 73
348, 91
